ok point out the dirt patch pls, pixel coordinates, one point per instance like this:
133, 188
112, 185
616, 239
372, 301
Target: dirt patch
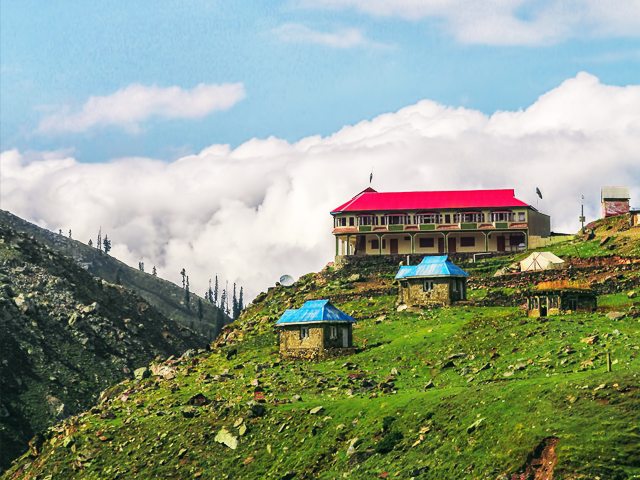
540, 463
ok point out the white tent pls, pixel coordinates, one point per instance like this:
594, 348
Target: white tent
540, 261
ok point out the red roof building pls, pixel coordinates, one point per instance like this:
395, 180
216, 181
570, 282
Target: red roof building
436, 222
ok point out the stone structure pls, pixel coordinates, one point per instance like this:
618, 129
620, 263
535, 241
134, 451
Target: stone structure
315, 331
390, 223
433, 282
554, 298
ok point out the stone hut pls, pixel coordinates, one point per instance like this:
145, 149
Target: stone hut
433, 282
554, 298
317, 330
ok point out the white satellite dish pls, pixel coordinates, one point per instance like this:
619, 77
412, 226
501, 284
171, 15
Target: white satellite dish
286, 280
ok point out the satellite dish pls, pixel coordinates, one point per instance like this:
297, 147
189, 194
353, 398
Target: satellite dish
286, 280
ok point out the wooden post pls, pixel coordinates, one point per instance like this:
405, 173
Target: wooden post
608, 362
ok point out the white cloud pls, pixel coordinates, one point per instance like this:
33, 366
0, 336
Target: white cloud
510, 22
345, 38
262, 210
131, 105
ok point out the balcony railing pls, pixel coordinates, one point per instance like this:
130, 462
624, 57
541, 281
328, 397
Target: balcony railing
426, 227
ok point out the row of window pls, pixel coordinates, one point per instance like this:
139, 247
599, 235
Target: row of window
435, 218
333, 332
427, 286
426, 242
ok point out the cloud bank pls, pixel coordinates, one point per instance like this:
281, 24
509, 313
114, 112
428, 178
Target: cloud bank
345, 38
131, 105
262, 210
510, 22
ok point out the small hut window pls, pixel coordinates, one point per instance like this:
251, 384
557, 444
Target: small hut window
333, 332
427, 286
455, 285
304, 332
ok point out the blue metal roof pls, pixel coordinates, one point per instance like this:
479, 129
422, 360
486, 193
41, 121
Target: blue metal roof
432, 267
314, 311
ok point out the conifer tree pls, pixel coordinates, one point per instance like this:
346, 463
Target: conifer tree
200, 311
90, 243
223, 299
99, 242
209, 295
234, 305
187, 295
69, 233
240, 302
215, 292
60, 232
154, 271
106, 243
184, 274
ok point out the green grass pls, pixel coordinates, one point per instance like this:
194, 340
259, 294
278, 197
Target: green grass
548, 391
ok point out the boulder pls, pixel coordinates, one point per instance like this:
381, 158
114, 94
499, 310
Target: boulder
473, 427
141, 373
632, 294
615, 316
226, 438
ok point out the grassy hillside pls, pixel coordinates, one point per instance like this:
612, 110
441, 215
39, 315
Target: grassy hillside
167, 297
461, 392
66, 336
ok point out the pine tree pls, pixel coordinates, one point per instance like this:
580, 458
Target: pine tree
226, 308
154, 271
240, 302
99, 242
209, 295
90, 243
200, 311
106, 243
69, 233
184, 274
215, 292
223, 298
234, 305
186, 295
140, 265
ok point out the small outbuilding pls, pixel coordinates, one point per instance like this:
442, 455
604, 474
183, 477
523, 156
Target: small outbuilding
615, 201
433, 282
561, 297
541, 261
314, 331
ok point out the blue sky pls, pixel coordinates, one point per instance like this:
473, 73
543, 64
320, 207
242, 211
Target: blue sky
305, 67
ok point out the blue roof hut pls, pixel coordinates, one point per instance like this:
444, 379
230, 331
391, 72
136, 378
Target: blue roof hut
433, 282
314, 331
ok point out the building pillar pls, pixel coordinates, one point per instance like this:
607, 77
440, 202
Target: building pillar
526, 238
348, 244
413, 243
446, 242
379, 243
337, 246
486, 241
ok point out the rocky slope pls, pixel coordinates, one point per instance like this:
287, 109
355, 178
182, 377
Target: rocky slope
463, 392
66, 336
167, 297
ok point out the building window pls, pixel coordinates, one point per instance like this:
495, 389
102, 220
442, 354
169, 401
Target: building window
472, 217
428, 218
447, 218
467, 241
427, 243
351, 221
455, 285
304, 333
503, 217
333, 333
375, 244
405, 285
341, 222
521, 216
407, 239
396, 220
367, 220
427, 286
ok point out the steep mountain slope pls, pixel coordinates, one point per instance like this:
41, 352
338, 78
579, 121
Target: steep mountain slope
167, 297
461, 392
65, 336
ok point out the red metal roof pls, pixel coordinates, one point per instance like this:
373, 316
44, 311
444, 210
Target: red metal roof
405, 201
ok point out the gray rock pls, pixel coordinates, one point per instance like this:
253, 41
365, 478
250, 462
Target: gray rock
615, 316
473, 427
141, 373
296, 398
